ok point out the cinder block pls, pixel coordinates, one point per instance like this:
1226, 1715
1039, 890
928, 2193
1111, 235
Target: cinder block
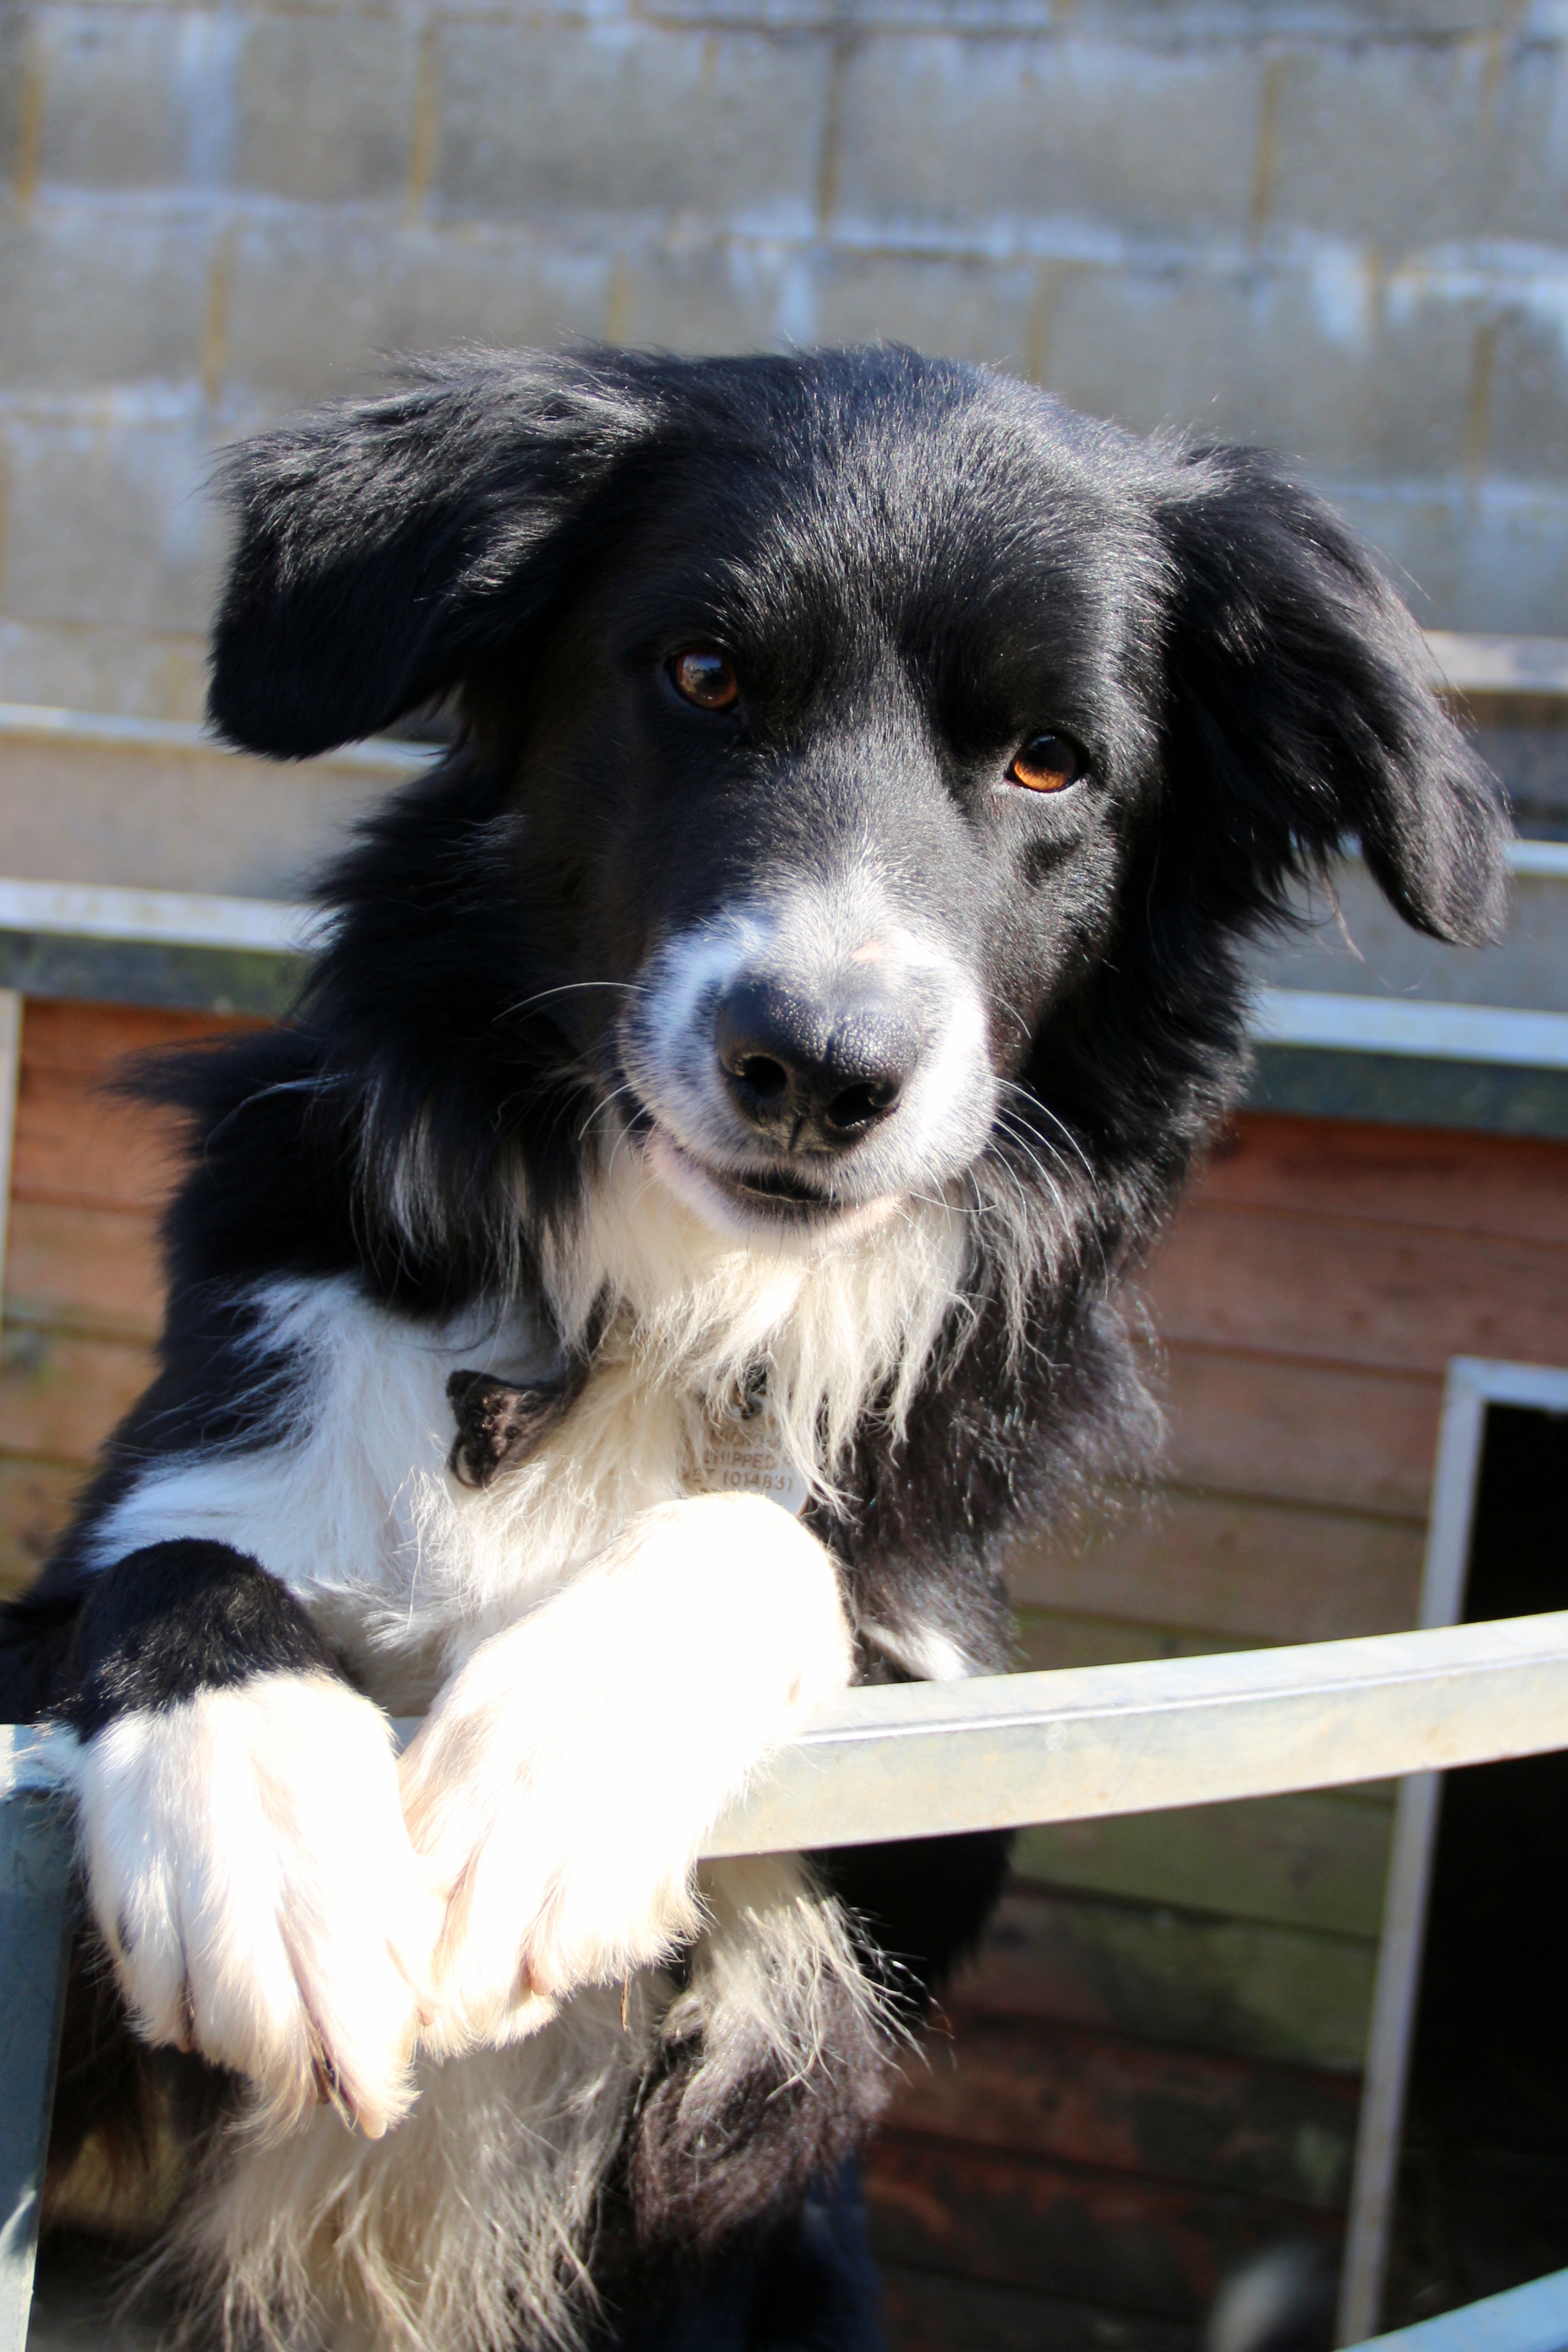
324, 106
714, 130
1425, 421
752, 16
1320, 20
1390, 143
968, 310
91, 296
140, 673
138, 99
318, 306
14, 41
1528, 196
1273, 357
710, 297
1032, 143
108, 522
1469, 560
1526, 390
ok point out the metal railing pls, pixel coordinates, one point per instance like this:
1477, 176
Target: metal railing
910, 1761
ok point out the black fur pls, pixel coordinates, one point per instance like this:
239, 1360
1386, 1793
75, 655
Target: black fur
914, 566
175, 1619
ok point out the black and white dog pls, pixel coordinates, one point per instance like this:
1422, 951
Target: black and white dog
740, 1074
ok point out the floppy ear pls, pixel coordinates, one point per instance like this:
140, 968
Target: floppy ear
380, 544
1300, 710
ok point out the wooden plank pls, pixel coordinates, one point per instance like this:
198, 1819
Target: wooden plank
75, 1139
1286, 1432
1051, 1640
1065, 2231
1284, 1993
1513, 1186
73, 1143
10, 1076
925, 2312
1097, 2099
35, 1502
1296, 1862
1255, 1570
60, 1395
91, 1038
1348, 1291
92, 1269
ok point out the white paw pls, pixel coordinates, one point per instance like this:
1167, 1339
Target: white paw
248, 1866
560, 1786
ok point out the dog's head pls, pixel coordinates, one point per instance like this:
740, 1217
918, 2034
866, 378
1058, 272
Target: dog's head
868, 764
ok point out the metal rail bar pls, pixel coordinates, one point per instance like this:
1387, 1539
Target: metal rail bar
1533, 2318
1443, 1033
1492, 665
36, 1893
926, 1759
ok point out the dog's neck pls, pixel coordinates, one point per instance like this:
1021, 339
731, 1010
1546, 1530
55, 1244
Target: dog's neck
831, 1327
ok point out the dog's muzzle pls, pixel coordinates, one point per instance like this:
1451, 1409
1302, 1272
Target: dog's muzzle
812, 1063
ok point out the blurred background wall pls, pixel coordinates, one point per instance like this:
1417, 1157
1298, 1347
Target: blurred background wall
1337, 228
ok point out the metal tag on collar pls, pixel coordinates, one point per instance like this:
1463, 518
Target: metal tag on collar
745, 1456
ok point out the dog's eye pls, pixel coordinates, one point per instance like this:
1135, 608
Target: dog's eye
1047, 763
705, 677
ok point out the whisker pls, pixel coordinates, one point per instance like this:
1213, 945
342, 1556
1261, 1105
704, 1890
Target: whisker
598, 1107
570, 988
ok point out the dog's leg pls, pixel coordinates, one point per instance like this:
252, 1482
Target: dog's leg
246, 1860
560, 1786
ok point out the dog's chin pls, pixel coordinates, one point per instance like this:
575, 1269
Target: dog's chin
780, 1207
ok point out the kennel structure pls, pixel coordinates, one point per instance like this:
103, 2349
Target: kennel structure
1156, 2062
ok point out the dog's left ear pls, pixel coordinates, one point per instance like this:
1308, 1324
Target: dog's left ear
1299, 711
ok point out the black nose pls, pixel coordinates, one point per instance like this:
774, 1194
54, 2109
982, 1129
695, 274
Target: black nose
813, 1074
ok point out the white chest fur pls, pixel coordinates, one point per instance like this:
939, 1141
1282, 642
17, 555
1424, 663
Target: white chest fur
350, 1503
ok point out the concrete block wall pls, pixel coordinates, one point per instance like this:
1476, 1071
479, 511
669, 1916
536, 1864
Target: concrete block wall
1334, 225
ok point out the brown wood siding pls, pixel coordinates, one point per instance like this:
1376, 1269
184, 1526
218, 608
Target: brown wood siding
82, 1290
1150, 2066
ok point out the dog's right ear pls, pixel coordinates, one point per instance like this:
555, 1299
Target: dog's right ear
382, 544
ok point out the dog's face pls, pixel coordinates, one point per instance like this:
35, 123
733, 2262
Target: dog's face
849, 725
836, 787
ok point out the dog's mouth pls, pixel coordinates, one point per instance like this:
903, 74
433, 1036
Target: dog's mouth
778, 1197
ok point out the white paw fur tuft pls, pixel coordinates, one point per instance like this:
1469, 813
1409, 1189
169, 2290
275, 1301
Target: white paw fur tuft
559, 1787
248, 1867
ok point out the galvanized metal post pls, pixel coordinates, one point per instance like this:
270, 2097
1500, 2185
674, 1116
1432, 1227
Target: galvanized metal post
37, 1883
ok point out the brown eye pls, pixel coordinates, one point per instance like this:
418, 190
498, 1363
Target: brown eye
1047, 763
702, 675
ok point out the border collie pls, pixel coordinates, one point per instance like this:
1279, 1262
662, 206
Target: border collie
740, 1075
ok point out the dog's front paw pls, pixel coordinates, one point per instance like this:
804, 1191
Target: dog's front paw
248, 1867
561, 1787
